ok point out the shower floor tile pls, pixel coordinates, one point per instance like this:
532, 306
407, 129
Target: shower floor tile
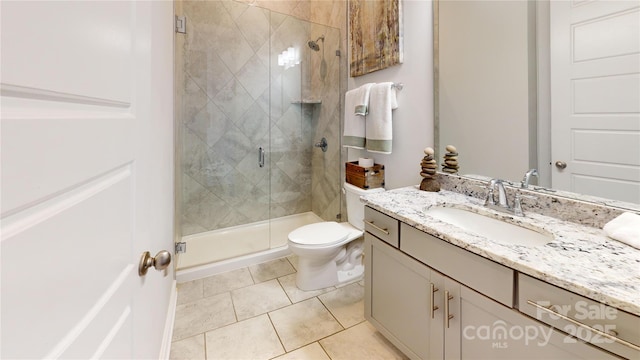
258, 313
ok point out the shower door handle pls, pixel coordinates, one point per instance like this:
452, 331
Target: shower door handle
260, 156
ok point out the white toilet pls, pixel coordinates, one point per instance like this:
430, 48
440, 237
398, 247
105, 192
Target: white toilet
330, 253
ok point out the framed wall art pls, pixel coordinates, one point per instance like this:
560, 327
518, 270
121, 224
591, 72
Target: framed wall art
375, 34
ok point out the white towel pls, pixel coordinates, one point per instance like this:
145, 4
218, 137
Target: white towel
356, 105
382, 101
625, 228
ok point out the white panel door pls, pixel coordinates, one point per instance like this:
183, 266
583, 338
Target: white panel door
87, 147
595, 97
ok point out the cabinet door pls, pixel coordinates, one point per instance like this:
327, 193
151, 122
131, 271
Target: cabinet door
397, 297
484, 329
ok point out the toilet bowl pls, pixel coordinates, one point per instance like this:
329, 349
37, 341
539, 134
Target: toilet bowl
330, 253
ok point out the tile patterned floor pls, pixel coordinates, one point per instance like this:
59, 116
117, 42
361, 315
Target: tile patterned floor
258, 313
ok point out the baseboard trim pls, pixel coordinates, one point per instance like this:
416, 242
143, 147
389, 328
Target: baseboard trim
165, 349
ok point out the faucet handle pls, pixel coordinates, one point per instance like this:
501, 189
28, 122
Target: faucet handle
517, 203
490, 198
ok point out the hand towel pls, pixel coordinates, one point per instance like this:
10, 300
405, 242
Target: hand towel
382, 101
356, 105
625, 228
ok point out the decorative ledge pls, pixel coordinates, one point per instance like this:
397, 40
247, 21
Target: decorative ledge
307, 101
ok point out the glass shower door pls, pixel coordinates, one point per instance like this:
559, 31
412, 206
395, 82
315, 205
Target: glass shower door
289, 150
225, 121
305, 107
249, 171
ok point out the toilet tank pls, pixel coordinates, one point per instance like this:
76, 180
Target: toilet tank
355, 208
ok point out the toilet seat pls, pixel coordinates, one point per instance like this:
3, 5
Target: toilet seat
320, 234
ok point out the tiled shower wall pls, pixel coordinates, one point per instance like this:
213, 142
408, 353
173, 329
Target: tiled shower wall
228, 87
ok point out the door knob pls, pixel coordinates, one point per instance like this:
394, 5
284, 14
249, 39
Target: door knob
561, 164
160, 261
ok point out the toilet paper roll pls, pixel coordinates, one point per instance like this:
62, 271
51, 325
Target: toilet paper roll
365, 162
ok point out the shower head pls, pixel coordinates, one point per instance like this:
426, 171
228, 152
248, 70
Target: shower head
314, 44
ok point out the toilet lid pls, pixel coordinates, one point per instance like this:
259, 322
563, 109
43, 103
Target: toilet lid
322, 233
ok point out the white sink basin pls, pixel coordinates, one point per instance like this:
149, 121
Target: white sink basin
493, 229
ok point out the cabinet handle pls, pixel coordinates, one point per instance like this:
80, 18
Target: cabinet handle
577, 323
448, 316
434, 307
385, 231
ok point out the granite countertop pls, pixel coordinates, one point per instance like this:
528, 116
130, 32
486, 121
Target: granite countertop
581, 259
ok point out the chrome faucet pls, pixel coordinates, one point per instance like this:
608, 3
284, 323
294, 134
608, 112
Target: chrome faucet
490, 200
524, 184
502, 203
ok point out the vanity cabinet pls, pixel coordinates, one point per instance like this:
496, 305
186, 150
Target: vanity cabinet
397, 289
484, 329
434, 300
607, 327
492, 279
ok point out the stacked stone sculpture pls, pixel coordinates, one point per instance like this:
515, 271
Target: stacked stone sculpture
428, 172
450, 165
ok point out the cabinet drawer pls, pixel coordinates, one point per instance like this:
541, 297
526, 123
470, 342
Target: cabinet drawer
581, 317
483, 275
382, 226
505, 339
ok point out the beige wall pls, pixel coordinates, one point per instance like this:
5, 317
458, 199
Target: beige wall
325, 12
413, 120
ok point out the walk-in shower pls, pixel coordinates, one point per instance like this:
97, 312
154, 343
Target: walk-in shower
235, 101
